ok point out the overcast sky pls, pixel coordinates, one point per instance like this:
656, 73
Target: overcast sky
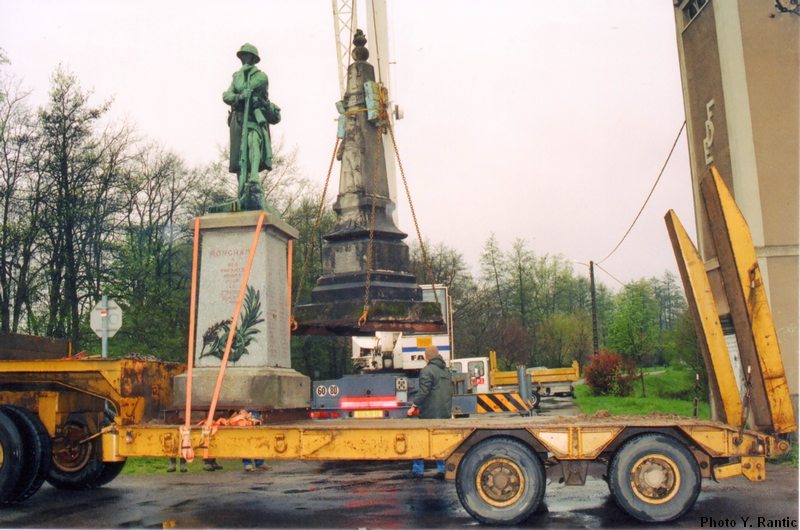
540, 120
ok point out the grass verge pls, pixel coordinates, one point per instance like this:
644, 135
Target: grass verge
668, 392
149, 466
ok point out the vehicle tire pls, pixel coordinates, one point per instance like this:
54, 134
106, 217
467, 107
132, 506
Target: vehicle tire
110, 469
654, 478
109, 473
500, 481
536, 399
11, 457
36, 452
75, 465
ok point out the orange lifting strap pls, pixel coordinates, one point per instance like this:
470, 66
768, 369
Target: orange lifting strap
208, 425
187, 452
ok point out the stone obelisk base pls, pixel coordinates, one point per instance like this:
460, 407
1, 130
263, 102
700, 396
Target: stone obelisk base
250, 388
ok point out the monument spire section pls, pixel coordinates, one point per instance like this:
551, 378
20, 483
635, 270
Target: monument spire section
366, 285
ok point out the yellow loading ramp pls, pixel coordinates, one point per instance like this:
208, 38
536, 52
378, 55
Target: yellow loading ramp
735, 291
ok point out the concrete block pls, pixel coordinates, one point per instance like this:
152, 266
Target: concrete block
262, 387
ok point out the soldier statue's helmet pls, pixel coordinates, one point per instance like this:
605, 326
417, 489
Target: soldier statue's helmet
248, 48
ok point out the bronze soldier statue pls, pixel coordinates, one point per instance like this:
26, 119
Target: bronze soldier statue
249, 119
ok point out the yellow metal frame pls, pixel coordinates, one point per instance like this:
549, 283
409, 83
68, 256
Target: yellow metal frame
747, 299
497, 377
139, 389
566, 439
307, 441
740, 294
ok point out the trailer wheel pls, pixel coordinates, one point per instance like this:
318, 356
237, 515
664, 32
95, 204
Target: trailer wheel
11, 463
536, 399
36, 452
654, 478
76, 465
109, 473
500, 481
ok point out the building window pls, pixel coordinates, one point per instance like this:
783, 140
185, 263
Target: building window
692, 8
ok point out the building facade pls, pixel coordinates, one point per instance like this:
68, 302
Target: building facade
740, 69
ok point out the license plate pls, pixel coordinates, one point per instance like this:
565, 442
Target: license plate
368, 414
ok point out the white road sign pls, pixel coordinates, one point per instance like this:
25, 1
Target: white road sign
112, 315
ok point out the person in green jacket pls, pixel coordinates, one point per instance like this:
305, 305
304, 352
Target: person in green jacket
434, 399
249, 135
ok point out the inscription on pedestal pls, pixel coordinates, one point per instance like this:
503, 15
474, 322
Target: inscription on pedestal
262, 337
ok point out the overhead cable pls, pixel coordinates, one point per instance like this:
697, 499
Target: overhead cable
611, 275
677, 137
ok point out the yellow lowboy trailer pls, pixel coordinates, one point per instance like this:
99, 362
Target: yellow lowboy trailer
655, 464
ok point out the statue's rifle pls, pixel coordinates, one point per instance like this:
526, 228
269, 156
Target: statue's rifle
243, 147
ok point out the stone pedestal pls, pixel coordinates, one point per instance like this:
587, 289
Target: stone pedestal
259, 371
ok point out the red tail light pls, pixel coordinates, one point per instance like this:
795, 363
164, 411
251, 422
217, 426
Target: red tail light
369, 402
318, 415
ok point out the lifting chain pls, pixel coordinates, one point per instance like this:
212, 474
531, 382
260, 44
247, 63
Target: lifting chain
362, 319
425, 261
371, 245
313, 235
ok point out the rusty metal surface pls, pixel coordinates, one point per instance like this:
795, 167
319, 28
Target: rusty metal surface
140, 390
567, 438
15, 346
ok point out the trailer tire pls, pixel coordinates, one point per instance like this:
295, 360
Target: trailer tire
11, 463
654, 478
500, 481
536, 399
76, 466
36, 452
109, 473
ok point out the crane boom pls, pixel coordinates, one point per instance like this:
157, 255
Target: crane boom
344, 26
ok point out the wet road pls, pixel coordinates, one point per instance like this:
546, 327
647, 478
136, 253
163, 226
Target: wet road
359, 495
364, 495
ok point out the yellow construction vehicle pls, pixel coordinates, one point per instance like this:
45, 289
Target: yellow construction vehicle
655, 464
486, 377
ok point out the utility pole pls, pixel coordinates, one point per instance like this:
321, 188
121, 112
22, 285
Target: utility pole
594, 308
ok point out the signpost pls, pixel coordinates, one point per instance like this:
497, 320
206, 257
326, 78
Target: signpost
105, 320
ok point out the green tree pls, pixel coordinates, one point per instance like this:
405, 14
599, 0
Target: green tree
447, 266
565, 337
633, 330
493, 273
670, 300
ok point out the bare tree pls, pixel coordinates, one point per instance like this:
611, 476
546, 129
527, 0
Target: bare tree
80, 169
20, 202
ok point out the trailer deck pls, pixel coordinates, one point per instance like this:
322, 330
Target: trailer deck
561, 438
